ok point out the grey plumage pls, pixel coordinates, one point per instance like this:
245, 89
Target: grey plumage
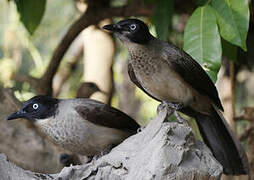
170, 75
82, 126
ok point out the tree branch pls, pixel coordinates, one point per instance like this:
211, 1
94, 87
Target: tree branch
90, 17
247, 114
26, 78
246, 134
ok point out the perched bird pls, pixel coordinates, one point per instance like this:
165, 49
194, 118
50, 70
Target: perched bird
82, 126
170, 75
87, 89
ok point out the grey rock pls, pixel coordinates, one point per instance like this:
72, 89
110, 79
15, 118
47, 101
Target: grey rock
166, 150
9, 171
161, 151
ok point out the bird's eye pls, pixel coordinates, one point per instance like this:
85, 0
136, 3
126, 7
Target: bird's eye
133, 27
35, 106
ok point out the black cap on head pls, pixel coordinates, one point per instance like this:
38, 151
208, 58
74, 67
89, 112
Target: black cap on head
133, 30
38, 107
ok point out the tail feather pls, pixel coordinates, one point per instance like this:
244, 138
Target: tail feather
225, 146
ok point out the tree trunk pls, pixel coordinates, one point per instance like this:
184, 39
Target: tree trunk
98, 59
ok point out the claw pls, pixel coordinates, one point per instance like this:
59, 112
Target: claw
175, 106
180, 119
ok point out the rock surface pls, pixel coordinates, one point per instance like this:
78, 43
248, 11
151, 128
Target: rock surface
9, 171
161, 151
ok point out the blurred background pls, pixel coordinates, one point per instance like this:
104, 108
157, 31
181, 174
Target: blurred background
55, 47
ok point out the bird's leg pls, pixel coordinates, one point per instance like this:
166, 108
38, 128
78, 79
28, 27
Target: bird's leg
164, 105
161, 106
172, 107
180, 119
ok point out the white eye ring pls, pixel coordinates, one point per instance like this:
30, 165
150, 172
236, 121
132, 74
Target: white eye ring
35, 106
133, 27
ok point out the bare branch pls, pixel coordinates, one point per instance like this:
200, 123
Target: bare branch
247, 114
90, 17
246, 134
26, 78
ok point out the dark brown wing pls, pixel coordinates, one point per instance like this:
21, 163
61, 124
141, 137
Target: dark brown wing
135, 80
105, 115
195, 75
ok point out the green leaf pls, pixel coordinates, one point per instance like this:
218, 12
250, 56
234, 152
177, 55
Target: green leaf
163, 18
31, 13
233, 20
202, 40
201, 2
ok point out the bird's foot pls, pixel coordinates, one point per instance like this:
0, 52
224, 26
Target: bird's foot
175, 106
164, 105
180, 119
161, 106
171, 107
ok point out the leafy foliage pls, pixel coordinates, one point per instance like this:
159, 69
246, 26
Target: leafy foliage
233, 20
202, 39
163, 18
31, 13
228, 19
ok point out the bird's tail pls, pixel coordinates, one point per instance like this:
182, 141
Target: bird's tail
225, 146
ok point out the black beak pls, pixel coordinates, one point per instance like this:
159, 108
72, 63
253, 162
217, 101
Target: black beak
16, 115
112, 27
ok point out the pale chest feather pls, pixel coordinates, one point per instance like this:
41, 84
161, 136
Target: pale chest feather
78, 135
66, 131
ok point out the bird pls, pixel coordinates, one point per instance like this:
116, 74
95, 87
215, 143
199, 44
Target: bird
81, 126
87, 89
171, 76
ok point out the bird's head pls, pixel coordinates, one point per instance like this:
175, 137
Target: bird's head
36, 108
131, 30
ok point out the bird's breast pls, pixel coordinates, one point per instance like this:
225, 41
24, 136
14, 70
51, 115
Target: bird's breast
78, 135
160, 80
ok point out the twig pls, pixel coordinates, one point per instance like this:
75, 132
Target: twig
246, 134
63, 76
247, 114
